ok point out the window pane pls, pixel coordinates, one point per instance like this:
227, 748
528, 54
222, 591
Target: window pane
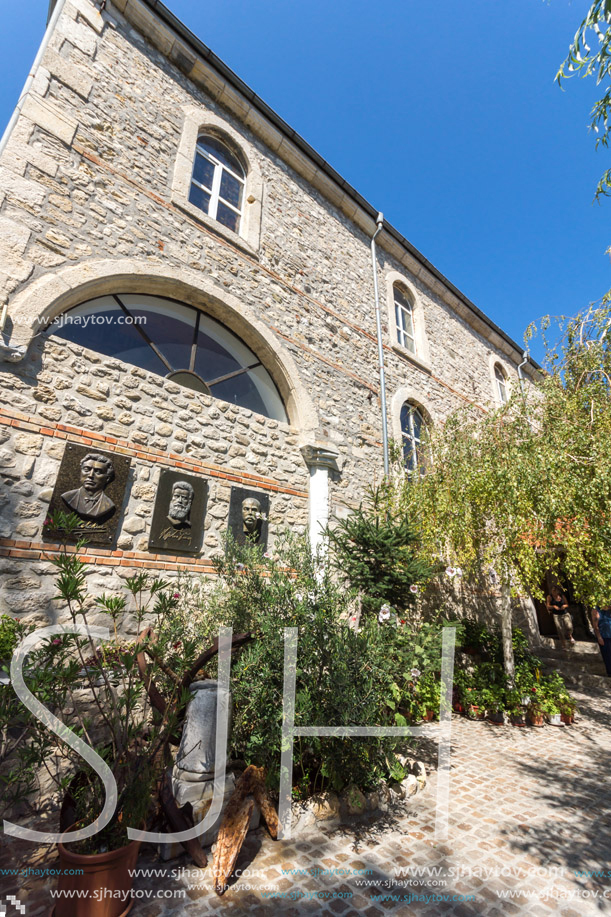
240, 390
402, 299
203, 171
417, 421
269, 393
169, 325
213, 359
409, 454
405, 413
190, 380
106, 331
227, 217
220, 152
199, 198
231, 189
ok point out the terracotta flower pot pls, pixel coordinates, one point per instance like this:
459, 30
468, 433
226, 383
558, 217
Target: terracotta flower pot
517, 719
103, 875
567, 718
475, 712
536, 719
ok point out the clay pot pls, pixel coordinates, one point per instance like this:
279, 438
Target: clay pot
536, 719
517, 719
567, 718
102, 874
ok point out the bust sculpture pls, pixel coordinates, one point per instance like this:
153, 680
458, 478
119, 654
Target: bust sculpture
89, 500
179, 509
251, 519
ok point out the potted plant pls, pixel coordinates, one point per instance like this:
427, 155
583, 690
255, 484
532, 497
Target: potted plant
476, 708
427, 694
568, 708
536, 708
514, 707
111, 711
492, 700
552, 711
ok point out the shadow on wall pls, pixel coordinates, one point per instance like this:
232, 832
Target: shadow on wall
473, 598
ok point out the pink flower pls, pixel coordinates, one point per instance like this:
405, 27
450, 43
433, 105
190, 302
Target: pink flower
267, 554
413, 588
56, 642
177, 595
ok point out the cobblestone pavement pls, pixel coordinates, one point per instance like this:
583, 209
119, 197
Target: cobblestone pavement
530, 810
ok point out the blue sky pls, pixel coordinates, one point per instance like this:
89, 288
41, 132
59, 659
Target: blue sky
444, 115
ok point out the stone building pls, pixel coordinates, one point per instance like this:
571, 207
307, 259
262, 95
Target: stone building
186, 289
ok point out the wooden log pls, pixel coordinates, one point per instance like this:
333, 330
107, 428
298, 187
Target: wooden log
232, 833
250, 788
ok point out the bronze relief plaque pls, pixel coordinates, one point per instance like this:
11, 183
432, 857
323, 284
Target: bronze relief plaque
249, 516
91, 485
178, 516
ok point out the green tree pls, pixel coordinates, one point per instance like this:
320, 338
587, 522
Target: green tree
377, 550
527, 488
583, 60
590, 55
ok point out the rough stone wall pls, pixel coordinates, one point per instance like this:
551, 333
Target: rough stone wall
87, 175
63, 394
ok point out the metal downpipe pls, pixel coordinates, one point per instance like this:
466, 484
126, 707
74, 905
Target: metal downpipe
379, 224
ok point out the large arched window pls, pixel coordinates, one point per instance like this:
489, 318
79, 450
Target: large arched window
413, 435
217, 183
176, 341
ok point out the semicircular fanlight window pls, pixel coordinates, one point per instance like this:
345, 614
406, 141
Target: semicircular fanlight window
176, 341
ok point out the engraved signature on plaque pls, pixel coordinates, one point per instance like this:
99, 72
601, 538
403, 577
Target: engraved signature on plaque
178, 515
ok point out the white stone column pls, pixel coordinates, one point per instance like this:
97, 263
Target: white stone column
320, 461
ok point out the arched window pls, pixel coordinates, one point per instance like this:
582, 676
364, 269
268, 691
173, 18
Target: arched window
413, 434
176, 341
217, 182
404, 318
501, 383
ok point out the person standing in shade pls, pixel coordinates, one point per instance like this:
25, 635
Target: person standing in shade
601, 621
556, 603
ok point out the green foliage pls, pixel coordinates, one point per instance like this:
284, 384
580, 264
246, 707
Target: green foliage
377, 550
584, 61
590, 55
344, 676
526, 489
97, 689
484, 683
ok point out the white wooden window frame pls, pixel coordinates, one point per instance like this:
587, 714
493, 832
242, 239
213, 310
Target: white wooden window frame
217, 177
502, 387
198, 122
419, 355
410, 437
404, 318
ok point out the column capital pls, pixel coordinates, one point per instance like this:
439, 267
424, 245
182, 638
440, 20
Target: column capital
320, 455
